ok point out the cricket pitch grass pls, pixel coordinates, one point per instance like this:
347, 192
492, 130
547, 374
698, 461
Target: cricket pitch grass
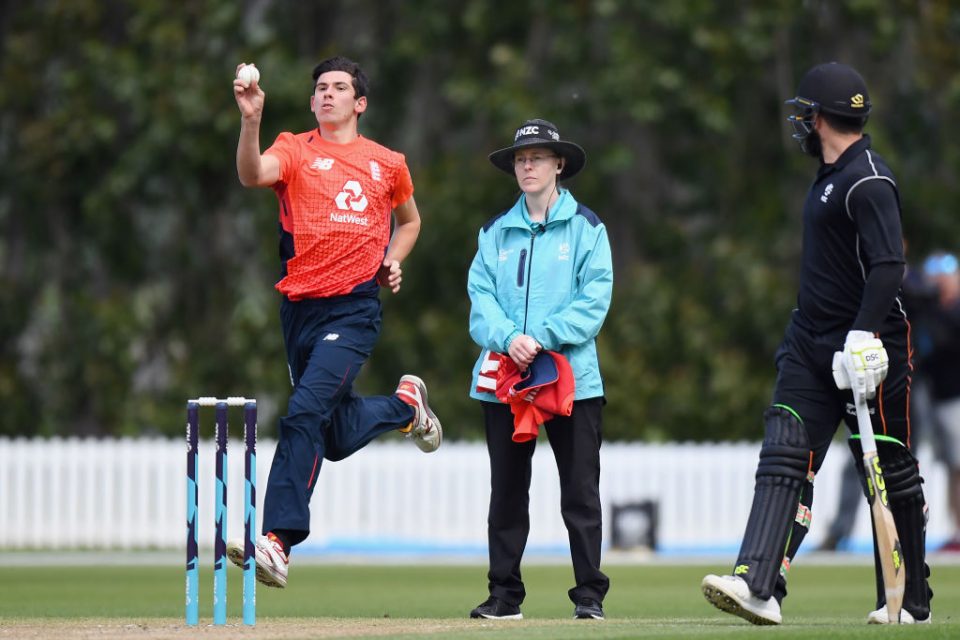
653, 600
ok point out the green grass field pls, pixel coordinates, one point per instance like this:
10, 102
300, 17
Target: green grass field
645, 601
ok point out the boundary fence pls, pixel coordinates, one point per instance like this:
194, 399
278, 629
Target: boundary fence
391, 498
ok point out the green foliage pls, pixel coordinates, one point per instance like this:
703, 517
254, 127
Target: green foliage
135, 271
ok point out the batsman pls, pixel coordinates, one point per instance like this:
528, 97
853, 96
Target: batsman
848, 338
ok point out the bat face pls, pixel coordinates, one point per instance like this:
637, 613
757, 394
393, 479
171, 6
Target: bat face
878, 491
888, 542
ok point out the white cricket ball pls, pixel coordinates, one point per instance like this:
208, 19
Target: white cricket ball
248, 73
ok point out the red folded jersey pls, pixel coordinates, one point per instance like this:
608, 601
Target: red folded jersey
544, 390
336, 202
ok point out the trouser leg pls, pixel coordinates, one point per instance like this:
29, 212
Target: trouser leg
576, 441
508, 521
358, 420
327, 343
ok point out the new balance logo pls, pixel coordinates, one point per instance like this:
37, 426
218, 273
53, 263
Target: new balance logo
351, 197
331, 336
322, 164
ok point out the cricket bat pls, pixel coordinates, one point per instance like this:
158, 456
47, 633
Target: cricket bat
888, 542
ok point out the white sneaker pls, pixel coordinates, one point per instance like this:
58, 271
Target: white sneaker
880, 616
272, 562
731, 594
425, 429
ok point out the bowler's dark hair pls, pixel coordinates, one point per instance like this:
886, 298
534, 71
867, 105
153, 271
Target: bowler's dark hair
339, 63
844, 124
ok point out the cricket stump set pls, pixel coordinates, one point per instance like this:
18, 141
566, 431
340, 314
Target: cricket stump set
221, 407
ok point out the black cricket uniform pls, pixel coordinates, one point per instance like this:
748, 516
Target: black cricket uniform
851, 271
851, 268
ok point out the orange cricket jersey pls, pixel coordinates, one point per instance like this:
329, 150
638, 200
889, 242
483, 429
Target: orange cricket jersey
336, 204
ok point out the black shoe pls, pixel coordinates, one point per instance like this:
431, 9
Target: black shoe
588, 609
497, 609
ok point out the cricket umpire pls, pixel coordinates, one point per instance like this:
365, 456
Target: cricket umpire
849, 333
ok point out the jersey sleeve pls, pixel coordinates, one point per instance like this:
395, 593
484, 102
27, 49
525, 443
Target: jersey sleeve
879, 292
403, 187
287, 151
875, 209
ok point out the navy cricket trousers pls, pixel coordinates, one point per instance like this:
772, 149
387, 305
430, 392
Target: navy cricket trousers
327, 341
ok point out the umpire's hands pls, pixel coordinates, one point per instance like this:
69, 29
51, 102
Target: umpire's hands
522, 350
862, 365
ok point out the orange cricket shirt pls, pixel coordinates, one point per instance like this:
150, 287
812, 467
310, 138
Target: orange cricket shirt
336, 203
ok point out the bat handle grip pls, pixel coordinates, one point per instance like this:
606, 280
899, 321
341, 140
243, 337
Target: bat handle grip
867, 441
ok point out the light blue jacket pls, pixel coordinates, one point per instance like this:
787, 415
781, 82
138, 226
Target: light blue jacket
552, 282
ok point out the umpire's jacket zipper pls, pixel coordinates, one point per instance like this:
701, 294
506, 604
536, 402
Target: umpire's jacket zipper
528, 259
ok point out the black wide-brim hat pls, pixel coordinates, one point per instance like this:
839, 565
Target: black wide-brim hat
541, 133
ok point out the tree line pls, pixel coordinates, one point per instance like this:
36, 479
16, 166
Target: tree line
136, 272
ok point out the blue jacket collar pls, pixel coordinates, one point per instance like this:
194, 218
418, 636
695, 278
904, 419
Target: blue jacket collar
563, 209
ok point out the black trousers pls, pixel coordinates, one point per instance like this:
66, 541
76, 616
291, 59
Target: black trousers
575, 441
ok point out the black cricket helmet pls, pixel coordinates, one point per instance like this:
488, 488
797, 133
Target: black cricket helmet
831, 87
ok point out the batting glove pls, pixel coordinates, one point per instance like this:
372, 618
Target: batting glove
862, 365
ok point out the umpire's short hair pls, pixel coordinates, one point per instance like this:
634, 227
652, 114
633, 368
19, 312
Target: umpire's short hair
339, 63
844, 124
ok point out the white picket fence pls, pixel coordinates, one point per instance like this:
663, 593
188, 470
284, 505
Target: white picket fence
390, 497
